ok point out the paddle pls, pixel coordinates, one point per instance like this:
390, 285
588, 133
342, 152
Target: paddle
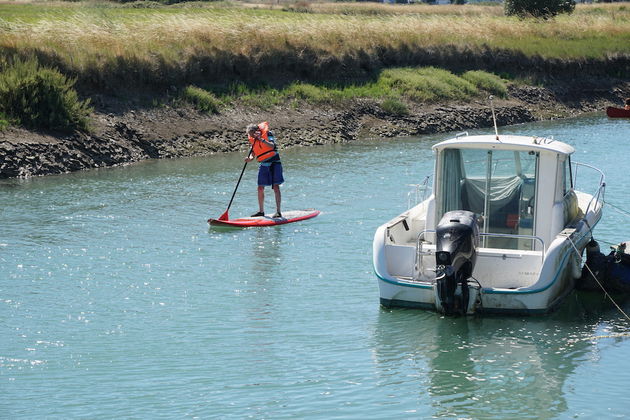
225, 216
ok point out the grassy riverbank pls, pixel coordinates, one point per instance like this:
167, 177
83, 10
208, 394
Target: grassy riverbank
108, 45
320, 73
393, 89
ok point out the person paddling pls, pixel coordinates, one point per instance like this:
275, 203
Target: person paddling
264, 149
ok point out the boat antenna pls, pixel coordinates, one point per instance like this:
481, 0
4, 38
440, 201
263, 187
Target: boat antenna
494, 118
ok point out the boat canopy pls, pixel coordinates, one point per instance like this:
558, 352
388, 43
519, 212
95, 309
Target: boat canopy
513, 184
525, 143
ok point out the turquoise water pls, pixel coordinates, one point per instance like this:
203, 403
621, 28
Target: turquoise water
118, 301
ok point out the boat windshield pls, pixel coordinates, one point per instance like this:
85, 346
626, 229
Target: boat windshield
498, 185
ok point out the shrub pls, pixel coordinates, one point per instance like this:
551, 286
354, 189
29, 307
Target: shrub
538, 8
427, 84
41, 97
4, 122
394, 106
486, 81
201, 99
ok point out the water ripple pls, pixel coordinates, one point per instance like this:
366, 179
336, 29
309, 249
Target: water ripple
117, 300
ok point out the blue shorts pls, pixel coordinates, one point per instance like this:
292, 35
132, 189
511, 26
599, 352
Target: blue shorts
270, 173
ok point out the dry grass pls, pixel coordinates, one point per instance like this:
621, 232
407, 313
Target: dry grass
405, 9
99, 42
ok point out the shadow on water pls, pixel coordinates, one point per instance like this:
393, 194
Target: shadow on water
468, 365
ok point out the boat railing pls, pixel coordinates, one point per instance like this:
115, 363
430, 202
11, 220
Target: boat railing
516, 236
418, 262
420, 252
423, 188
597, 199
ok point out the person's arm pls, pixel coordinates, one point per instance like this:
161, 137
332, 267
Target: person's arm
250, 156
269, 142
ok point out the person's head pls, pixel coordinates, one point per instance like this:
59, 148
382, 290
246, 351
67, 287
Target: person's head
628, 101
251, 129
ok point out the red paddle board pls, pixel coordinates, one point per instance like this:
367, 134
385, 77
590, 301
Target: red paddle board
287, 217
613, 112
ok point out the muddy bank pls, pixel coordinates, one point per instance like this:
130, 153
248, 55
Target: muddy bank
123, 133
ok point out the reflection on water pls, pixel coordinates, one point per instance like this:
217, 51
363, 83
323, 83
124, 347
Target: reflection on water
266, 254
486, 367
266, 251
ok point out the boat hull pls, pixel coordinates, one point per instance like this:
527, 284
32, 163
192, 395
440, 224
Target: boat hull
492, 301
556, 279
613, 112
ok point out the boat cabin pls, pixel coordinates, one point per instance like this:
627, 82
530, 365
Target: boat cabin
520, 187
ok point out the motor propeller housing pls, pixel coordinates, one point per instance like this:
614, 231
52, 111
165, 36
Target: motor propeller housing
457, 236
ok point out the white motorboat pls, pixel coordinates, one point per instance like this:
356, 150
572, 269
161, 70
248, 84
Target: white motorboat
502, 232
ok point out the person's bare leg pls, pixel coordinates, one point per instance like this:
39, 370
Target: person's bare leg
261, 198
276, 191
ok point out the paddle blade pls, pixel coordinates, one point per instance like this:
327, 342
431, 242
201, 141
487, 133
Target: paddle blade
224, 216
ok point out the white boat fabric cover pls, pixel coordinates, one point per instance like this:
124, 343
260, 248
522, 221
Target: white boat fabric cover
502, 192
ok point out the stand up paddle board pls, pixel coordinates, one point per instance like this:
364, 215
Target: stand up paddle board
267, 220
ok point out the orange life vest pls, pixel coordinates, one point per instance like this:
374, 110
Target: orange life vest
262, 150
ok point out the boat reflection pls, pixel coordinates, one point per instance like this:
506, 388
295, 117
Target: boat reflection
476, 367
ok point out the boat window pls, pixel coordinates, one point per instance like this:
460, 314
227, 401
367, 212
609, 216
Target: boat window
498, 185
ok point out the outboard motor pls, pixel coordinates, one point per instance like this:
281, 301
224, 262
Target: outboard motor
457, 237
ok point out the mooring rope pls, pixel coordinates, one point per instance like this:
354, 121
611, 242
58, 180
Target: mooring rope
607, 243
618, 335
579, 254
597, 337
619, 209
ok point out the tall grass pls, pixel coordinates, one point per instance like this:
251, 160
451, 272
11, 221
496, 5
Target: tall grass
202, 99
392, 89
427, 84
487, 82
4, 122
107, 46
374, 9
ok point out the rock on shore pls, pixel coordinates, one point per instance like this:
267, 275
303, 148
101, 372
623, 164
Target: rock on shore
121, 137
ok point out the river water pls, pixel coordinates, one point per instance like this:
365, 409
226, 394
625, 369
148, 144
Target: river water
118, 301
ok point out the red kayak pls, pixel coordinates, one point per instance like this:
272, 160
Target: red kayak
613, 112
287, 217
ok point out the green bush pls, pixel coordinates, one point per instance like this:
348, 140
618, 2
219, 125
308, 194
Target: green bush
4, 122
202, 99
40, 97
486, 81
394, 106
427, 84
538, 8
